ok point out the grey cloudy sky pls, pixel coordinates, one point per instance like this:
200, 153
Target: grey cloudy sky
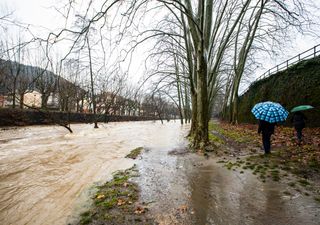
41, 14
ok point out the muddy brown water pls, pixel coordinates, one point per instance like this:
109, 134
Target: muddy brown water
46, 172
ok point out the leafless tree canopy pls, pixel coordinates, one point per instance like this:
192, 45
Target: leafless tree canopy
196, 53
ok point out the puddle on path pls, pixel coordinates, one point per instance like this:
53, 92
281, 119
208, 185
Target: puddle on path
45, 172
189, 189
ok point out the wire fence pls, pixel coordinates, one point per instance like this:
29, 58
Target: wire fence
308, 54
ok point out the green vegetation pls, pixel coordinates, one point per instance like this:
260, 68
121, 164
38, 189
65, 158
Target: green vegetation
304, 80
304, 182
228, 132
134, 153
215, 139
115, 201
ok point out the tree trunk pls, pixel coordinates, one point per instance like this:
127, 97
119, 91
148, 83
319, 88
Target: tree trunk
92, 88
21, 100
44, 100
201, 132
14, 94
194, 120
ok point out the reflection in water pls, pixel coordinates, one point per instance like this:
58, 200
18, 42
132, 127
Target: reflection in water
44, 169
187, 189
200, 186
223, 197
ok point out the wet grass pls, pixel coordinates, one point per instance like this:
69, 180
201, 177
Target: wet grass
317, 199
304, 182
134, 153
266, 169
215, 139
115, 202
287, 193
231, 132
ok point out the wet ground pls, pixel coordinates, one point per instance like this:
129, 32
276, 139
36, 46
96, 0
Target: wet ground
186, 188
46, 175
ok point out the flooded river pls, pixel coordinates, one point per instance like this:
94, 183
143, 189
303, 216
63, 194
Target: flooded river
46, 174
44, 170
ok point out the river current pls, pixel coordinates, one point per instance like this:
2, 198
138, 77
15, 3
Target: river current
46, 172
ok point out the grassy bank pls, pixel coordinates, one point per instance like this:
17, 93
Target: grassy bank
296, 165
117, 201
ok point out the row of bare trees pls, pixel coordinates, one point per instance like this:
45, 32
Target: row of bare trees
213, 45
113, 95
199, 52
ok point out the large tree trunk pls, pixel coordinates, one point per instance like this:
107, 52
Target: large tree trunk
201, 132
179, 91
194, 120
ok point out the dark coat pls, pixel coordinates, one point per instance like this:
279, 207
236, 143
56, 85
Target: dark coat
266, 127
298, 120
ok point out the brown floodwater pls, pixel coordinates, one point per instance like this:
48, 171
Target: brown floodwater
46, 172
47, 176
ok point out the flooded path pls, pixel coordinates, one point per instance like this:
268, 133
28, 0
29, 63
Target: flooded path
45, 174
44, 170
184, 188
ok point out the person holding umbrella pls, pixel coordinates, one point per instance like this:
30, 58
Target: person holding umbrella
267, 129
298, 120
268, 114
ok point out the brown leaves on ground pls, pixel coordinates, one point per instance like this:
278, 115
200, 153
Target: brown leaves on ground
304, 156
121, 202
283, 136
140, 209
183, 209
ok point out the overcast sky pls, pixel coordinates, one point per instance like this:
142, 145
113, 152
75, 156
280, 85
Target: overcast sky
41, 14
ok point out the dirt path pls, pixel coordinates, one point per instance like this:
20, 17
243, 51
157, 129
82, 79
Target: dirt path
185, 188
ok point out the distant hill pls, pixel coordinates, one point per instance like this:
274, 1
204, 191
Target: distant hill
27, 72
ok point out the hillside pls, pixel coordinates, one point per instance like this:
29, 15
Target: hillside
298, 85
27, 74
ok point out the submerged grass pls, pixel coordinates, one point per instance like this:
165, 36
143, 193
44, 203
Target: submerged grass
115, 202
134, 153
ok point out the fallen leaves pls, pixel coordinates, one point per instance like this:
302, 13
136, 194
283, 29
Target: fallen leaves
140, 209
101, 196
300, 157
183, 209
121, 202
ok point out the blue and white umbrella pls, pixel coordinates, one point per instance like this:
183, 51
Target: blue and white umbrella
271, 112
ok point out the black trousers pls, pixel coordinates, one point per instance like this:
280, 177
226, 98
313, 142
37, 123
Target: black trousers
266, 142
299, 133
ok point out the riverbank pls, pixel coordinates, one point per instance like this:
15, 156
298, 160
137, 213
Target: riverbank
234, 184
27, 117
302, 160
47, 173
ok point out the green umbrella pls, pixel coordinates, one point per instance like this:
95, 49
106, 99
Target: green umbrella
301, 108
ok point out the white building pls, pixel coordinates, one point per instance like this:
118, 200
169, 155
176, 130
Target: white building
32, 99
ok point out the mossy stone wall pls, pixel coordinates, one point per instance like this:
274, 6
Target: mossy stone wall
298, 85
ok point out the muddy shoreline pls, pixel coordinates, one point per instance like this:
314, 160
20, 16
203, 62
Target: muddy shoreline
17, 117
